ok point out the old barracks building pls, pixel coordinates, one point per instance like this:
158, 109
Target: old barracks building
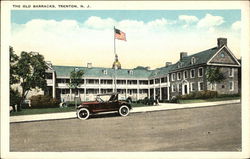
185, 76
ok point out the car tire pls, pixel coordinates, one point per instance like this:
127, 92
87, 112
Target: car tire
123, 110
83, 114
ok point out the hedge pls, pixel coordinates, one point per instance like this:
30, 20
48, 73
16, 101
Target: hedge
44, 101
199, 95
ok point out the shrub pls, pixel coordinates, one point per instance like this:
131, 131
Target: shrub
199, 95
44, 101
229, 95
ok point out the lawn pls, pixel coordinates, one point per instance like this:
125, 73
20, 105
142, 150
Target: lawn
43, 111
72, 108
54, 110
187, 101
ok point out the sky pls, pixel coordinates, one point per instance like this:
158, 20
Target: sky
78, 37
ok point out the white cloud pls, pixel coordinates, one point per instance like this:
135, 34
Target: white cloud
236, 25
210, 21
188, 18
69, 42
99, 23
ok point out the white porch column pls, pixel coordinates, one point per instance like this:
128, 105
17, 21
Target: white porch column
168, 87
85, 89
168, 93
54, 85
126, 89
137, 90
160, 90
154, 88
99, 86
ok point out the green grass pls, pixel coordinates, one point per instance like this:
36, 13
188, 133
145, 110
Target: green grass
42, 111
72, 108
187, 101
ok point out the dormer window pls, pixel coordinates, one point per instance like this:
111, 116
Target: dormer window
105, 72
130, 72
179, 65
193, 60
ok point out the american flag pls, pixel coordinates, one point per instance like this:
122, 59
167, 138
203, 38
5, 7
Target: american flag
120, 35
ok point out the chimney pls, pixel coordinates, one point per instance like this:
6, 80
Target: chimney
221, 42
183, 54
168, 63
89, 65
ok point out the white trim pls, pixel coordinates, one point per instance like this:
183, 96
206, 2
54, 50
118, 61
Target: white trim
199, 88
230, 71
184, 74
191, 87
199, 72
208, 63
223, 65
172, 88
231, 89
173, 78
179, 78
191, 73
193, 60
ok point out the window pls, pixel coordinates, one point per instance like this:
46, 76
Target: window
179, 87
200, 72
193, 60
211, 86
130, 72
178, 76
157, 80
231, 72
222, 54
143, 82
173, 88
173, 76
192, 73
192, 86
105, 72
231, 85
200, 86
163, 79
185, 75
151, 81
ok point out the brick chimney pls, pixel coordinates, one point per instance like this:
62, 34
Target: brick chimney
221, 42
183, 54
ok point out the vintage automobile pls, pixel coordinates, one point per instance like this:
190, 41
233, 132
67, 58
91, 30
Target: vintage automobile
103, 103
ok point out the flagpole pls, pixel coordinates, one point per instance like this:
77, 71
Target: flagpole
115, 65
114, 42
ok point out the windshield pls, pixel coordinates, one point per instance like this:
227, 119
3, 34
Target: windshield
106, 98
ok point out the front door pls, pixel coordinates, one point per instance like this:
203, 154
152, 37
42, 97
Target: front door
185, 89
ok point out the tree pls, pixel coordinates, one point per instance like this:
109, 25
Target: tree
75, 80
214, 75
29, 72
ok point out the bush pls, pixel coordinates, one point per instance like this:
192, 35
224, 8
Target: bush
44, 101
229, 95
199, 95
174, 99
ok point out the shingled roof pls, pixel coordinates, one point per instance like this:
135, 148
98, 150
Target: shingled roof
64, 71
200, 58
139, 72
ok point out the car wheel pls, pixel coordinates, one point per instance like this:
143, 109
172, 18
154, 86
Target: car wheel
83, 113
124, 110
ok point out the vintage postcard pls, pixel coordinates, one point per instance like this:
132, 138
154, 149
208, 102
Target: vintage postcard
125, 79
